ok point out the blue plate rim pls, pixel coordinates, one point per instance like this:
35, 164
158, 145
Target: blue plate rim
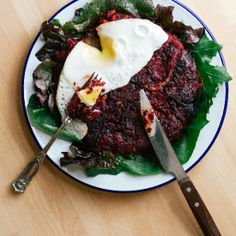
125, 191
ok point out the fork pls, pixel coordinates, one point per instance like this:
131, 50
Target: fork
21, 182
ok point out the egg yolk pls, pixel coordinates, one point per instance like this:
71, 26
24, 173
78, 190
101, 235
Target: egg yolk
89, 97
108, 51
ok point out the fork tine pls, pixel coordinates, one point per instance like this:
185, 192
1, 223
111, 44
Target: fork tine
96, 77
88, 81
91, 76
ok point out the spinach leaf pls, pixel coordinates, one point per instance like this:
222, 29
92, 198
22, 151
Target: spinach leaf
139, 165
43, 119
92, 172
134, 164
185, 145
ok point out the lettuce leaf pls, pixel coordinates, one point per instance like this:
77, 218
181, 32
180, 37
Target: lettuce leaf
164, 17
54, 40
43, 82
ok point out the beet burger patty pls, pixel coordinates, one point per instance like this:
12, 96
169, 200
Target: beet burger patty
171, 82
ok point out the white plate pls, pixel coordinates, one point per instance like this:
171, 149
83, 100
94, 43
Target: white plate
124, 182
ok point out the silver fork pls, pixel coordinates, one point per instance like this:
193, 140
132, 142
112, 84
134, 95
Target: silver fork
21, 182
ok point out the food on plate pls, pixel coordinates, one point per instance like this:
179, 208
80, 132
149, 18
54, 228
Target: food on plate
131, 45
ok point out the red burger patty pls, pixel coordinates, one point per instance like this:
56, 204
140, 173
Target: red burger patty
171, 82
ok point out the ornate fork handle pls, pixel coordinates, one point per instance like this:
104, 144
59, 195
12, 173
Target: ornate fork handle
21, 182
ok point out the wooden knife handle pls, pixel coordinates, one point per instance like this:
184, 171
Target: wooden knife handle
198, 207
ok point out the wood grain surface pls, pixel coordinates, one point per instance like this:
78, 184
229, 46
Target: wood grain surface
55, 204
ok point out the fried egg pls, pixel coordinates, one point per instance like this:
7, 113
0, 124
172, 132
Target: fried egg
127, 46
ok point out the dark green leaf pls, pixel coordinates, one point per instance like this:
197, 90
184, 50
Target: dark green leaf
89, 16
92, 172
139, 165
57, 23
91, 12
185, 145
45, 120
145, 8
134, 164
206, 48
124, 6
107, 164
72, 30
47, 51
211, 77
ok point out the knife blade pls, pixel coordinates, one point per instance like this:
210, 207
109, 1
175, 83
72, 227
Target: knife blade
159, 140
170, 163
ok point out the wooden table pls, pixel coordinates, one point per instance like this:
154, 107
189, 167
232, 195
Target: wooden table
56, 205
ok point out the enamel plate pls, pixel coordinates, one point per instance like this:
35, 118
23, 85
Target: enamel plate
125, 182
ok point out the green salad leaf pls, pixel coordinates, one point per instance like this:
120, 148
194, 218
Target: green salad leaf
134, 164
185, 145
88, 16
212, 76
203, 52
45, 120
205, 49
145, 8
164, 16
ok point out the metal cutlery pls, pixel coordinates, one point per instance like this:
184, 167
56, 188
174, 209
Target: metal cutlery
21, 182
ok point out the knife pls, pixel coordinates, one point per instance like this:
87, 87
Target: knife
171, 165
